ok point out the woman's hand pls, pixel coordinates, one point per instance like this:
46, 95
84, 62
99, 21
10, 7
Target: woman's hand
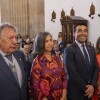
45, 98
99, 89
63, 98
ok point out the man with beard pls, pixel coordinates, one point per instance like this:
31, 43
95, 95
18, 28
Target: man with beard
81, 66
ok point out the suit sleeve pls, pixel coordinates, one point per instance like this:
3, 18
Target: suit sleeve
65, 59
95, 69
74, 76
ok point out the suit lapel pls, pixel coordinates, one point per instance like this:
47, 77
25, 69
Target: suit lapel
78, 51
20, 62
89, 52
7, 71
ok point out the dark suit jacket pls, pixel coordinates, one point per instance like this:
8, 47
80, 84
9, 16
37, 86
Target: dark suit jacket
78, 72
65, 57
9, 88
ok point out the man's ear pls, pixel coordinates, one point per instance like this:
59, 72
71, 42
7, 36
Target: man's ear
75, 34
0, 41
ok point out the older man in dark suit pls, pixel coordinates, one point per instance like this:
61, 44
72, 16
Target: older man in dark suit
13, 77
81, 66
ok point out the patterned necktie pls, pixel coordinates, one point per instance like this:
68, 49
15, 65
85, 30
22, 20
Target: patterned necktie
27, 58
12, 67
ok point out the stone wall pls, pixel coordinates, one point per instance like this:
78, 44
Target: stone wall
26, 15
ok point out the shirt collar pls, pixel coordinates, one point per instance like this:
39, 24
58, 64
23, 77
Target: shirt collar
43, 58
2, 53
79, 44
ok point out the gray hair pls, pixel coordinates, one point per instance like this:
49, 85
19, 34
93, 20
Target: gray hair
6, 25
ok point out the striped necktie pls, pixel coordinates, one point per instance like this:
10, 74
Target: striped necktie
87, 61
85, 55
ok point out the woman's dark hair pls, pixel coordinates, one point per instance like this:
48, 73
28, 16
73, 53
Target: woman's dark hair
97, 46
39, 43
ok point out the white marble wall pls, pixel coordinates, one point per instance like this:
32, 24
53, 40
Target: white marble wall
81, 7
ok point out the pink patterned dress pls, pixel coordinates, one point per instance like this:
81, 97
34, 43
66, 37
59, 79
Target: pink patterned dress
48, 78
